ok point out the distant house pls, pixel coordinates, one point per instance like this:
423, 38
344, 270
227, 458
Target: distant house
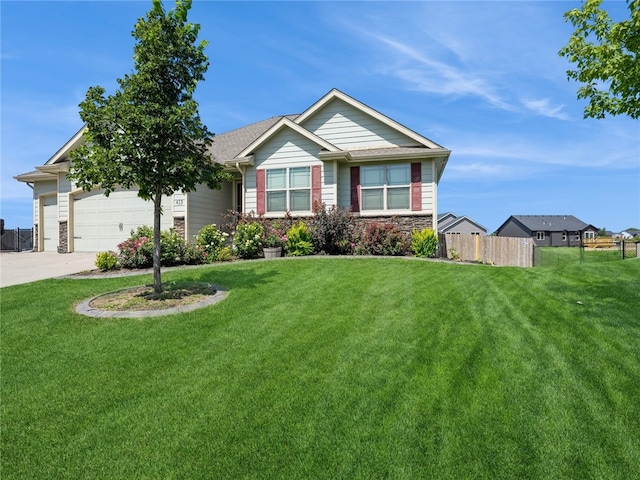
548, 230
629, 233
339, 152
450, 223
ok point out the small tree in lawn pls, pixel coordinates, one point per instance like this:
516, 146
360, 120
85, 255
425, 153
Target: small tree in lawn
149, 133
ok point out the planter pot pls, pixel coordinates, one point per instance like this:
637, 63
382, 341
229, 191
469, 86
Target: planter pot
272, 252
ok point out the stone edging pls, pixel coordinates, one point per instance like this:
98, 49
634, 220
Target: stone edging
85, 309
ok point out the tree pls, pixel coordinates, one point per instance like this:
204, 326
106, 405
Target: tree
606, 56
149, 133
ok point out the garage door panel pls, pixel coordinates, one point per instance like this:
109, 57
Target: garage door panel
50, 228
101, 223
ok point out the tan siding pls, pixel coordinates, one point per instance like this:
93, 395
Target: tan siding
64, 187
428, 188
41, 188
347, 127
206, 206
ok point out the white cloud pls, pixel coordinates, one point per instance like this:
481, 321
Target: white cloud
546, 109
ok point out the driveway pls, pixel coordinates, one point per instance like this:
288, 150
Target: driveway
25, 267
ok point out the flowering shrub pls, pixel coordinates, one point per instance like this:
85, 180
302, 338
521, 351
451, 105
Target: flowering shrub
333, 230
299, 240
194, 255
106, 261
211, 241
273, 235
382, 239
136, 252
172, 247
247, 240
424, 243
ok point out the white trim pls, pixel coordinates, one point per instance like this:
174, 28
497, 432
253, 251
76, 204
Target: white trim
73, 143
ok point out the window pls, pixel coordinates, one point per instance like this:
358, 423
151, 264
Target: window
589, 235
289, 189
385, 187
539, 235
564, 236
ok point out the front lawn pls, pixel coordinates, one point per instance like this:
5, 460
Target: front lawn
327, 368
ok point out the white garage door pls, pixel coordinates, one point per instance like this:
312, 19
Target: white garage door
101, 223
50, 223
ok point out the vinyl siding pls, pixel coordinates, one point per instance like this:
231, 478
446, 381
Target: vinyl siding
64, 187
347, 128
206, 206
41, 188
286, 149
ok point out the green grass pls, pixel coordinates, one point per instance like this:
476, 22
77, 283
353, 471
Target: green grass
331, 368
556, 256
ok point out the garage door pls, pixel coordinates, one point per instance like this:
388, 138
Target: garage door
101, 223
50, 221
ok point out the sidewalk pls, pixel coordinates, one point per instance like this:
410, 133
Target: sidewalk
26, 267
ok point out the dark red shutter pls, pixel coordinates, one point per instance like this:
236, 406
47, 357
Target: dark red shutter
416, 187
261, 191
316, 185
355, 189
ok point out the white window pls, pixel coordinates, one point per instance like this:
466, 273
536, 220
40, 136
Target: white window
539, 235
289, 189
589, 235
385, 187
564, 236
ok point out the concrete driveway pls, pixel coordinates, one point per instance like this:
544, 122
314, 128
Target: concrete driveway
25, 267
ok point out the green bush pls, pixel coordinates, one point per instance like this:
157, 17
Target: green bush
211, 240
106, 261
194, 255
172, 248
424, 243
299, 240
224, 255
247, 240
382, 239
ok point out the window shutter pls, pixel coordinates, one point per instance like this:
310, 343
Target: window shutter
316, 185
416, 187
355, 189
261, 191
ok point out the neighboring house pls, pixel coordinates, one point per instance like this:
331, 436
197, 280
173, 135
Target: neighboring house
338, 152
629, 233
548, 230
450, 223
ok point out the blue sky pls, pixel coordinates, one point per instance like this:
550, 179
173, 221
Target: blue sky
481, 78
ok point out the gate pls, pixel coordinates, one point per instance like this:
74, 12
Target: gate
17, 240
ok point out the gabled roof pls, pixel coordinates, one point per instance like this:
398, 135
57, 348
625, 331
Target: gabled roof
337, 94
450, 223
548, 223
285, 123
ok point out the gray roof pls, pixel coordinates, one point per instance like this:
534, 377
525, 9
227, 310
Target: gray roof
551, 223
228, 145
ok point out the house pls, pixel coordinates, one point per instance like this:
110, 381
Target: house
450, 223
629, 233
339, 152
548, 230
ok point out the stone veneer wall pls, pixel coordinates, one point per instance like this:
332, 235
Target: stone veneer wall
63, 238
180, 226
36, 245
405, 224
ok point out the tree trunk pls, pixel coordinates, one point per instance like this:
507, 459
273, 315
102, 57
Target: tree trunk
157, 215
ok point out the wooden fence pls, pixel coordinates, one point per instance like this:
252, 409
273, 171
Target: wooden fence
517, 252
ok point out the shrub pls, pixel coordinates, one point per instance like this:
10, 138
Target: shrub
424, 243
136, 252
247, 240
106, 261
274, 234
382, 239
194, 255
332, 230
172, 248
211, 240
224, 255
299, 240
